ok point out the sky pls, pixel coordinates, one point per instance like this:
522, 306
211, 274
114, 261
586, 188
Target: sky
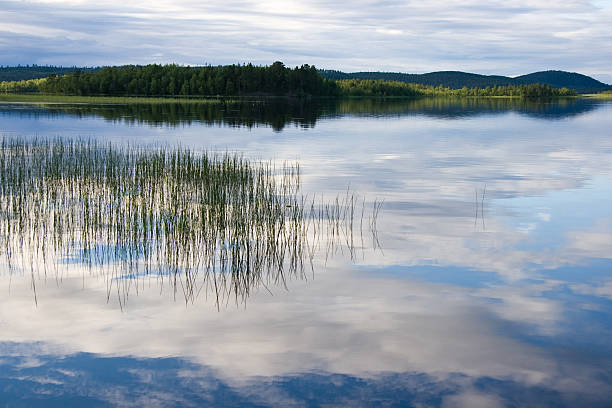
493, 37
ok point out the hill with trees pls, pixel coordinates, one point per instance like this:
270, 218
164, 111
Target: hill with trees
457, 80
278, 80
562, 79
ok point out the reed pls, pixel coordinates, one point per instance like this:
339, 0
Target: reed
196, 221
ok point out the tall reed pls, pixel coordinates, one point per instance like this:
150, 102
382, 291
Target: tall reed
194, 220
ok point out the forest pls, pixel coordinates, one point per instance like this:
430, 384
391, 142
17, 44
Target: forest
249, 80
171, 80
25, 72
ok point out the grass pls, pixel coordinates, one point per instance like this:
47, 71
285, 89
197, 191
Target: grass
70, 99
43, 98
198, 221
601, 95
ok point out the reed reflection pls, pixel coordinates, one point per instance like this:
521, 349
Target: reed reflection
199, 222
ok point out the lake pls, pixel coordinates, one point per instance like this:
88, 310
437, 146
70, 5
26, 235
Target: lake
477, 270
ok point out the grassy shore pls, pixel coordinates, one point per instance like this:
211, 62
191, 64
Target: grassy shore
122, 100
603, 95
42, 98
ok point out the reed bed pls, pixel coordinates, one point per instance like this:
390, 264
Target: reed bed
197, 221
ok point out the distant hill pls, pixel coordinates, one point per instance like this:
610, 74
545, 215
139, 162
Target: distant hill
451, 79
23, 73
458, 79
560, 79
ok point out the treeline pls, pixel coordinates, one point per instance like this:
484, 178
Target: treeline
249, 80
450, 79
457, 80
26, 72
381, 88
171, 80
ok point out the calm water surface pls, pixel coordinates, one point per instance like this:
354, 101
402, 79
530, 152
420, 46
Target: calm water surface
492, 285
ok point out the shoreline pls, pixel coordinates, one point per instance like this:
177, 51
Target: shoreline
118, 100
597, 96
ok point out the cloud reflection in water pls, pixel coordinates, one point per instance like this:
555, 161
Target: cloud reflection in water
515, 311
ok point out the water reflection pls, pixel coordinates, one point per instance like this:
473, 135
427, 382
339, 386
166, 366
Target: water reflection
457, 108
494, 287
202, 222
279, 113
366, 328
173, 382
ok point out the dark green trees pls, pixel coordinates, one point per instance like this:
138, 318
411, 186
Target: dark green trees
171, 80
250, 80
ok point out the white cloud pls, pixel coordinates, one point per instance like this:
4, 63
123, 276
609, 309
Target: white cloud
595, 242
399, 36
602, 290
389, 31
342, 321
544, 216
472, 399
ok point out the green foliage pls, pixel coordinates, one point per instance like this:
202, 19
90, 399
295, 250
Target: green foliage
171, 80
31, 85
359, 87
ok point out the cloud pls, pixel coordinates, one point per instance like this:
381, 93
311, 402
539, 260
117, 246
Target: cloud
342, 322
472, 399
428, 181
347, 321
602, 290
400, 36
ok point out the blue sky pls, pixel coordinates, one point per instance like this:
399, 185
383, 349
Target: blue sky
509, 38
